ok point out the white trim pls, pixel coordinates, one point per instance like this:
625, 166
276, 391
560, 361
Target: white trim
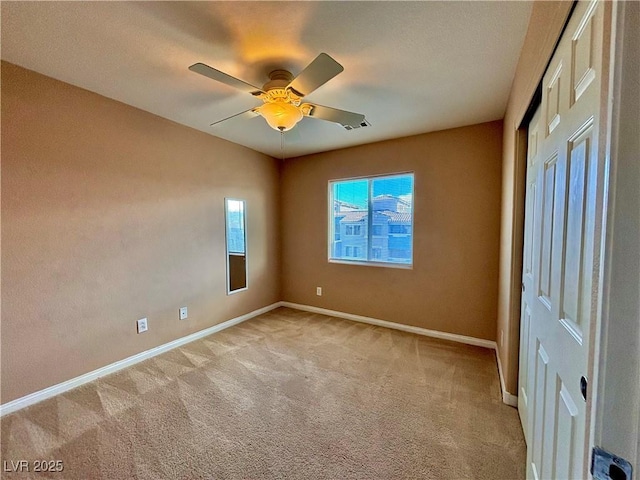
49, 392
479, 342
54, 390
615, 328
507, 397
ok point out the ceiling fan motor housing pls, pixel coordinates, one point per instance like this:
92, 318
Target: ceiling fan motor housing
278, 79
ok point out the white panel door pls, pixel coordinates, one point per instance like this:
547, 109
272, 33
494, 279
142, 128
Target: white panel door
563, 209
534, 136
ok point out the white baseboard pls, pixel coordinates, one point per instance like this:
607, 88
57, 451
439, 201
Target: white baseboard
49, 392
479, 342
508, 398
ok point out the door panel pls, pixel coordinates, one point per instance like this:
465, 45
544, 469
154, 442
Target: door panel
548, 222
562, 213
575, 282
524, 353
539, 406
554, 97
566, 413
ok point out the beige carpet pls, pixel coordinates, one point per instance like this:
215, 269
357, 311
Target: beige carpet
288, 394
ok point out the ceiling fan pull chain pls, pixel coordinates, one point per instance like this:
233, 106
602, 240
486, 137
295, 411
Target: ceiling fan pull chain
282, 143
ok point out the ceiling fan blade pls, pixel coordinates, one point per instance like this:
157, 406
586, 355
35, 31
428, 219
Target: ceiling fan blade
214, 74
292, 135
317, 73
246, 114
344, 118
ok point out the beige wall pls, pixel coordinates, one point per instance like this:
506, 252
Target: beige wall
110, 214
545, 25
453, 285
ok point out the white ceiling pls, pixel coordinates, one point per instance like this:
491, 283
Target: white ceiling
410, 67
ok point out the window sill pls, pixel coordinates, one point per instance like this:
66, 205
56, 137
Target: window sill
402, 266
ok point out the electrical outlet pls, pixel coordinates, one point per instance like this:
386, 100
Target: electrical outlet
142, 325
319, 291
183, 313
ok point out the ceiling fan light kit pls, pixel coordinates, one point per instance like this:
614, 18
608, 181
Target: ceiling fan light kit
282, 94
280, 115
281, 109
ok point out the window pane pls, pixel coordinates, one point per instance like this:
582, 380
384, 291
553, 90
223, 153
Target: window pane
235, 226
392, 207
350, 218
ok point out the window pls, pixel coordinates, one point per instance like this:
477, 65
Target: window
353, 230
372, 220
397, 253
399, 229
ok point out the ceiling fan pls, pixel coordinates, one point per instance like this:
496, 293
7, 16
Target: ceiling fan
282, 95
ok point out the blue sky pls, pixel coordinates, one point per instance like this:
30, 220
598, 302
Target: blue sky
356, 191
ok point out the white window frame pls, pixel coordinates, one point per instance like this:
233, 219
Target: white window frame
330, 223
226, 242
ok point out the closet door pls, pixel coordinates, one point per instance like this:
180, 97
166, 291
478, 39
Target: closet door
565, 193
